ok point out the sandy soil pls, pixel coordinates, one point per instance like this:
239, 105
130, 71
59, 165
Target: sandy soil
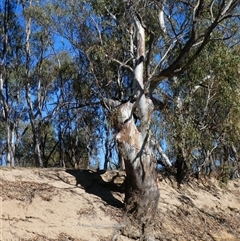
46, 204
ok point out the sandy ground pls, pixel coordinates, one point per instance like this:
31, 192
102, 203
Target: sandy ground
46, 204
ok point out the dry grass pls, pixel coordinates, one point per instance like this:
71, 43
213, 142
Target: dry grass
25, 191
61, 237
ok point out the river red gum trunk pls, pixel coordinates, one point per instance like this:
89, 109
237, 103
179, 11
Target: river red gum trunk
142, 194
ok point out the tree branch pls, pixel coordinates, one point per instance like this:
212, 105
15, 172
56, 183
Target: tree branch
158, 105
165, 158
197, 38
121, 63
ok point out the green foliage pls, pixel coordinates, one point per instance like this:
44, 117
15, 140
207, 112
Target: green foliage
207, 119
81, 53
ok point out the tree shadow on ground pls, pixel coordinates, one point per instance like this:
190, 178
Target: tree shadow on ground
93, 183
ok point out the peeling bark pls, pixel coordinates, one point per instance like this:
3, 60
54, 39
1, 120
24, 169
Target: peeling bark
134, 142
142, 194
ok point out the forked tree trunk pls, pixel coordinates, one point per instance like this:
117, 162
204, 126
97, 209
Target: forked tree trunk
142, 194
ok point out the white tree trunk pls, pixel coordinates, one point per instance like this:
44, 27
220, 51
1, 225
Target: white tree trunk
10, 144
34, 123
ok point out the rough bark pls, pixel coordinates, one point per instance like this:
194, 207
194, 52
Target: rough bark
142, 194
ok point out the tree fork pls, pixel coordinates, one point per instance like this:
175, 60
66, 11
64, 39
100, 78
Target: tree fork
141, 193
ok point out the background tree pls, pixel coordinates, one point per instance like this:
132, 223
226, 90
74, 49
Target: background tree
205, 103
11, 101
33, 67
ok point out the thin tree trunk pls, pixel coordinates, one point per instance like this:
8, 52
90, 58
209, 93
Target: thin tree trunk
10, 145
34, 123
180, 166
37, 149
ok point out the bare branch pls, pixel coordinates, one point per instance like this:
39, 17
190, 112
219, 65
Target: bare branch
121, 63
161, 18
211, 10
196, 10
165, 158
98, 30
227, 7
163, 58
112, 15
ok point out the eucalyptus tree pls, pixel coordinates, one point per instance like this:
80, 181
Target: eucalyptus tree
42, 69
11, 85
75, 119
221, 111
133, 49
205, 98
31, 57
25, 152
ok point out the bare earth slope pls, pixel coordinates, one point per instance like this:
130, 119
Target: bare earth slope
46, 204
